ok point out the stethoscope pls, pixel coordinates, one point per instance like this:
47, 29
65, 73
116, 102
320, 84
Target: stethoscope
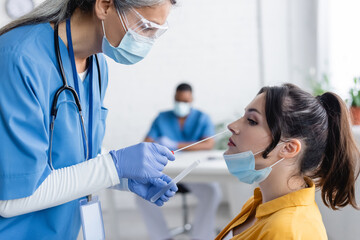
66, 87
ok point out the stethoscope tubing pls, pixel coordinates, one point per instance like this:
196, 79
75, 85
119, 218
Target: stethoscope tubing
73, 92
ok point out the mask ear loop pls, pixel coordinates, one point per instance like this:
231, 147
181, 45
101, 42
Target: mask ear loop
122, 22
103, 27
280, 159
277, 162
276, 146
258, 152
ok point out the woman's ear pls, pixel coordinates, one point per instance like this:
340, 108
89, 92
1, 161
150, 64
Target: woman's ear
102, 7
290, 148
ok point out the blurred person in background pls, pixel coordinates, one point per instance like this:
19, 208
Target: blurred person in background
175, 129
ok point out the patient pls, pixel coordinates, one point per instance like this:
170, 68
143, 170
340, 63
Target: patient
300, 143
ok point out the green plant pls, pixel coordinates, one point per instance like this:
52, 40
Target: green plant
321, 86
355, 93
221, 141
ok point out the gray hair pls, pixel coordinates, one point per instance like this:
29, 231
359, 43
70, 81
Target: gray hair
57, 11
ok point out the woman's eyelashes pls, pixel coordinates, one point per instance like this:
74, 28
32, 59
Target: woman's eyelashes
251, 122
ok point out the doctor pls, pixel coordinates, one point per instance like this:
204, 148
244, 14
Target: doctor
52, 119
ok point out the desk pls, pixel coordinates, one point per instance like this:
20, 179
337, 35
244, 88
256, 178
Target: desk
212, 169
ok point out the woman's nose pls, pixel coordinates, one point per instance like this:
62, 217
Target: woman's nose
232, 127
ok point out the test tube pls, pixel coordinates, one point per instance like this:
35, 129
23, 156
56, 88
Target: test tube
177, 179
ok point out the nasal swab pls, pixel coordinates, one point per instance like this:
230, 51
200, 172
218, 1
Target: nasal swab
177, 179
199, 142
185, 172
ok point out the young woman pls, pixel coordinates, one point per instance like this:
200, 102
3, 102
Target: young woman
291, 143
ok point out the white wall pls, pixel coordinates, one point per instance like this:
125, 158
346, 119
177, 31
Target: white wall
344, 44
4, 18
290, 41
214, 46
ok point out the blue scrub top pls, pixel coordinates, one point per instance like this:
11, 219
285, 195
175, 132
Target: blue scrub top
29, 78
196, 127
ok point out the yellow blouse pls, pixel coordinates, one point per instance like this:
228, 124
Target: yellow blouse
292, 216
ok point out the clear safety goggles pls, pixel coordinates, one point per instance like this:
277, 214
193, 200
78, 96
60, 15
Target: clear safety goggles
140, 25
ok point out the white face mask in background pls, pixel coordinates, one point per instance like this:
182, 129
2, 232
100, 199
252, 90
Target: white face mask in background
182, 109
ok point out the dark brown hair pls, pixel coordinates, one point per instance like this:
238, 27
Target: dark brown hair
330, 155
183, 87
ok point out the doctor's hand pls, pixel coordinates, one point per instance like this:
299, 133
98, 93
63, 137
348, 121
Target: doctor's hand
151, 188
167, 142
142, 162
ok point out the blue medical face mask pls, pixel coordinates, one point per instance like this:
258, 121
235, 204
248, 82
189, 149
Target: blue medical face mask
242, 166
132, 48
182, 109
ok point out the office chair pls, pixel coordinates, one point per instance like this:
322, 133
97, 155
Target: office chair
186, 227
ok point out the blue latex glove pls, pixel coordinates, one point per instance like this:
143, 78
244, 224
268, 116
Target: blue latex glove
142, 162
167, 142
149, 189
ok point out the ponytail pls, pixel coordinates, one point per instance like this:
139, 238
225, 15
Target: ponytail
330, 156
337, 172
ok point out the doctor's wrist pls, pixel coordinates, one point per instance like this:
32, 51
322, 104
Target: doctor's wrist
122, 186
116, 156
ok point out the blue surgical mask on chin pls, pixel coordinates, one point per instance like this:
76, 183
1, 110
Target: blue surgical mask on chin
130, 50
242, 166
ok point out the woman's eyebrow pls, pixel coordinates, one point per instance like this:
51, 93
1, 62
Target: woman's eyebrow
253, 110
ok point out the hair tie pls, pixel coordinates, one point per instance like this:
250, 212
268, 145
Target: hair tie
320, 99
323, 103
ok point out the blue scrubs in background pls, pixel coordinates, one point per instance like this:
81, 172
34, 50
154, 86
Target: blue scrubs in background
196, 127
29, 78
